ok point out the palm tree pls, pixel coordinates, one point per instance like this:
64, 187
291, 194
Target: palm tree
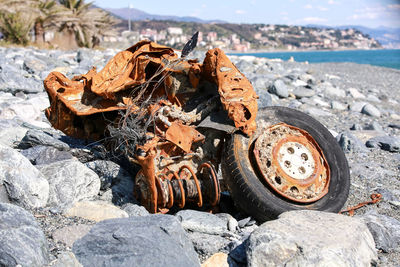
86, 23
46, 13
15, 24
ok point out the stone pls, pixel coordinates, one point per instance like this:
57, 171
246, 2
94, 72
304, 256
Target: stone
36, 137
230, 221
365, 135
334, 92
349, 143
95, 211
384, 229
135, 210
34, 66
39, 155
317, 112
308, 78
355, 93
299, 83
301, 92
66, 259
24, 184
280, 89
155, 240
374, 126
11, 136
206, 245
394, 125
70, 181
115, 177
69, 234
373, 98
264, 100
388, 143
357, 106
202, 222
22, 241
338, 106
219, 259
312, 238
371, 110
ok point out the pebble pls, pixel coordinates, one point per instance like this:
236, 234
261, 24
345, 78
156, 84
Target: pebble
371, 110
280, 89
95, 211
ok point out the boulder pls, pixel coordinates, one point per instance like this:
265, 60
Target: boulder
301, 92
384, 229
135, 210
69, 234
206, 245
95, 211
371, 110
280, 89
388, 143
66, 259
312, 238
39, 155
155, 240
22, 242
36, 137
25, 185
202, 222
219, 259
349, 143
70, 181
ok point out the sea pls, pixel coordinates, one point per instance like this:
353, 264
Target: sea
384, 57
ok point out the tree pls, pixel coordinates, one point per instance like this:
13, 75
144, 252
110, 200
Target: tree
86, 23
15, 24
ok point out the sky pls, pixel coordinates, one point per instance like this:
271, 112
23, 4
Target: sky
370, 13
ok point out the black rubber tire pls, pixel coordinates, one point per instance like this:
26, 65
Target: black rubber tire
254, 196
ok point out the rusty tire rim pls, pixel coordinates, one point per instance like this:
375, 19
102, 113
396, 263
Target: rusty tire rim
292, 163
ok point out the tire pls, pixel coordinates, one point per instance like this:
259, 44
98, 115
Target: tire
254, 196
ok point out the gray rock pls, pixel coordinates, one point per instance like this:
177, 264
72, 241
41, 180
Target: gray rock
312, 238
11, 133
202, 222
24, 184
349, 143
135, 210
280, 89
39, 155
22, 242
70, 181
394, 125
388, 143
339, 106
34, 66
371, 110
374, 126
69, 234
301, 92
156, 240
357, 106
26, 83
36, 137
308, 78
384, 229
66, 259
230, 221
334, 92
109, 172
317, 112
355, 93
265, 99
207, 245
373, 98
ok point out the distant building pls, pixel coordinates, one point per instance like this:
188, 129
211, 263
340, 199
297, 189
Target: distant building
175, 30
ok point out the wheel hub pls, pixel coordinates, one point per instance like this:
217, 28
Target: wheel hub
292, 163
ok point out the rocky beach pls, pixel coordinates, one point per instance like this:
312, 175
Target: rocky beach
67, 202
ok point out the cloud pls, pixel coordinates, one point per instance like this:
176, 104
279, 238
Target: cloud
397, 6
284, 13
321, 8
240, 12
333, 2
203, 6
314, 19
307, 6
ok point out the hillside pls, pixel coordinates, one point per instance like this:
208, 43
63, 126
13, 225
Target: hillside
244, 37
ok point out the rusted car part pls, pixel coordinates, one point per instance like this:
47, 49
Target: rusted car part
292, 163
170, 96
375, 198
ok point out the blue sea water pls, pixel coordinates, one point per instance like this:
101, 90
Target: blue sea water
386, 57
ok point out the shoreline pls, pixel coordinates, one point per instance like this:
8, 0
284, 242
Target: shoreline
260, 51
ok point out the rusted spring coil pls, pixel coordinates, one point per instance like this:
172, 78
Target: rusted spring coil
214, 181
200, 196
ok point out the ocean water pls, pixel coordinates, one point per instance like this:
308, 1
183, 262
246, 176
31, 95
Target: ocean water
386, 57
